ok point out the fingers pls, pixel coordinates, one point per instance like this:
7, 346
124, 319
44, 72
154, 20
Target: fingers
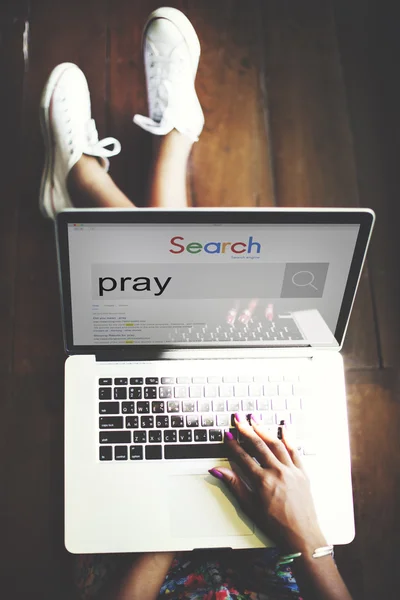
255, 445
236, 485
294, 455
275, 446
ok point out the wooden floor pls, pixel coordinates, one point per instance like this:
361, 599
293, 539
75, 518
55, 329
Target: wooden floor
301, 101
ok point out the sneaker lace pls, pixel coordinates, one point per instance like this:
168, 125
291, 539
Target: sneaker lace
98, 147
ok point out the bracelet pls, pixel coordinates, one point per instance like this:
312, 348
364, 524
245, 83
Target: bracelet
318, 553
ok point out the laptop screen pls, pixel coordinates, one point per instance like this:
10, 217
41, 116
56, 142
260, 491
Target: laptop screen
207, 284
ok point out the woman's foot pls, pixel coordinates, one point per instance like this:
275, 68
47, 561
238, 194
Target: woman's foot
69, 134
171, 56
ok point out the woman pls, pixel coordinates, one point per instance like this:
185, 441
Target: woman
277, 493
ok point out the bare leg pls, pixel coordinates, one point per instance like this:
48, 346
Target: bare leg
91, 187
168, 175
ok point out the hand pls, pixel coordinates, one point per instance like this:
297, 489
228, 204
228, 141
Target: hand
280, 501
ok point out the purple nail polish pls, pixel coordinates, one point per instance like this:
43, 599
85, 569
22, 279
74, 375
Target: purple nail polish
228, 435
216, 473
238, 417
254, 418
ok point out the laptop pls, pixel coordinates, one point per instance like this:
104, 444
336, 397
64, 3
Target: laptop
173, 322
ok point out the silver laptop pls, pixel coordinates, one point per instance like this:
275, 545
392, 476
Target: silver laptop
173, 322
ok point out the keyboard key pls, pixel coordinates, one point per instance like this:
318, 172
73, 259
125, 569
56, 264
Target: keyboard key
185, 435
151, 380
263, 404
105, 393
177, 421
120, 393
293, 403
139, 437
150, 393
248, 405
192, 421
155, 436
131, 422
115, 437
233, 405
158, 407
135, 393
200, 435
214, 379
285, 389
105, 381
282, 416
195, 391
143, 407
199, 379
188, 406
204, 406
109, 408
245, 378
121, 452
185, 380
180, 391
226, 391
162, 421
268, 418
255, 389
218, 405
278, 403
210, 391
207, 421
170, 436
223, 420
120, 381
136, 452
270, 389
128, 407
105, 453
168, 380
241, 390
229, 379
291, 377
153, 452
136, 381
195, 451
173, 406
275, 377
111, 423
215, 435
147, 422
165, 392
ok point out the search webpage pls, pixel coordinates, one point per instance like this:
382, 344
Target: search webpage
208, 284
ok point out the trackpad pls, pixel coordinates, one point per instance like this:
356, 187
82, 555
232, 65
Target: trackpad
200, 506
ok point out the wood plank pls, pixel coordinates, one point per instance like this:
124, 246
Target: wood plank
59, 32
374, 421
231, 165
310, 134
369, 47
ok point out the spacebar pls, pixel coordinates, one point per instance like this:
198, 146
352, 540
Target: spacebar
195, 451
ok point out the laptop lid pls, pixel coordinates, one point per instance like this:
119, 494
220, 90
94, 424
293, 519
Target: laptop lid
151, 280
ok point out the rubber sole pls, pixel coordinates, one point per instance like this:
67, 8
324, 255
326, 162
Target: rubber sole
46, 204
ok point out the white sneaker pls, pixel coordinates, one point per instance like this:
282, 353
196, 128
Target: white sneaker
171, 57
68, 132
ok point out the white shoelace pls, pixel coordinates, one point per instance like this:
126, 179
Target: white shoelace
96, 147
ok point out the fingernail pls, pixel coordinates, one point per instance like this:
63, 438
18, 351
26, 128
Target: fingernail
228, 435
279, 433
216, 473
238, 418
282, 422
253, 418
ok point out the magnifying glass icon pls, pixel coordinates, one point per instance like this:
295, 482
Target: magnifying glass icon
307, 283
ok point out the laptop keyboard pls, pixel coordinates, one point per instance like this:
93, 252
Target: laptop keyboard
167, 418
281, 329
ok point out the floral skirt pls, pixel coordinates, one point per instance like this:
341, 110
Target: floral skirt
199, 575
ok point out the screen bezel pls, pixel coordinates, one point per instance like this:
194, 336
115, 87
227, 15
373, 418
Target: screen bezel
269, 216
